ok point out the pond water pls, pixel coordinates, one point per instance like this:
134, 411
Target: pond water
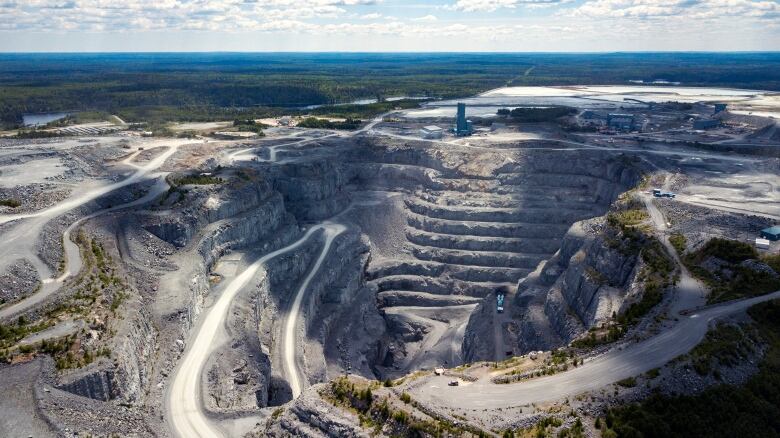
365, 101
41, 119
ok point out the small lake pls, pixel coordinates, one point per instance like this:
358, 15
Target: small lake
366, 101
41, 119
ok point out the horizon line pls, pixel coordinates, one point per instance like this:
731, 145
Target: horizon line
358, 52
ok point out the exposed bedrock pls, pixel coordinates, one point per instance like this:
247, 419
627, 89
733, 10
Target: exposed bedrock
312, 190
341, 320
585, 283
209, 222
124, 379
312, 416
476, 221
592, 284
214, 221
237, 374
330, 334
212, 205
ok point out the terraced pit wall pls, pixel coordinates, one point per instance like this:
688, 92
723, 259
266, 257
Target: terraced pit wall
471, 220
476, 220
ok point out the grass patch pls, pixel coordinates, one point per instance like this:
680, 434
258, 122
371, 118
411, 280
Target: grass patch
10, 202
679, 242
10, 334
543, 429
628, 218
197, 180
575, 431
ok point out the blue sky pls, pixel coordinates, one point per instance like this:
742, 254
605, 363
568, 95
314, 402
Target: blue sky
389, 25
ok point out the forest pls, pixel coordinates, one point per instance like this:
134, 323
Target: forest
187, 86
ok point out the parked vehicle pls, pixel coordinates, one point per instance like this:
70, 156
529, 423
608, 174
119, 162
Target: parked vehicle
661, 194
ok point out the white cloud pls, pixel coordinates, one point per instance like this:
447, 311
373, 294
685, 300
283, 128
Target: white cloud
227, 15
679, 9
493, 5
637, 23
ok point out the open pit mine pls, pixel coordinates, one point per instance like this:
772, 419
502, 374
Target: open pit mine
347, 284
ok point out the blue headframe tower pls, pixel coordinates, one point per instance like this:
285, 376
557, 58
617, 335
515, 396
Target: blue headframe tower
462, 126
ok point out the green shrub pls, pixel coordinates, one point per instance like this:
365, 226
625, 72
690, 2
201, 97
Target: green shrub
743, 281
728, 250
537, 115
313, 122
679, 242
197, 180
13, 203
627, 218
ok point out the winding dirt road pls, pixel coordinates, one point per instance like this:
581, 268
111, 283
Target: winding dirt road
593, 375
291, 320
184, 404
19, 240
608, 368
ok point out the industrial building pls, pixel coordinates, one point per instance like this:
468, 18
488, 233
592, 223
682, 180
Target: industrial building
463, 127
706, 123
771, 233
432, 132
620, 122
592, 115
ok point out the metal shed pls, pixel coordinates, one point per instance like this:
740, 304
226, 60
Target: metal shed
771, 233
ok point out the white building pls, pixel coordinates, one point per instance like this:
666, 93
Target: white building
431, 132
762, 243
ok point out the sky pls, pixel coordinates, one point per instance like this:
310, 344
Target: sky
389, 25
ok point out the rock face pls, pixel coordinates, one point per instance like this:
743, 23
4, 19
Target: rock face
311, 416
410, 284
592, 285
477, 221
588, 281
136, 346
312, 190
